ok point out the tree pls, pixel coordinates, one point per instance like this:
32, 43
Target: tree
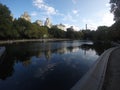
114, 33
5, 22
23, 27
56, 33
102, 33
43, 32
86, 34
115, 9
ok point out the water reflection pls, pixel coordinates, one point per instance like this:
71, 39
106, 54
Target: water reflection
49, 64
98, 47
6, 70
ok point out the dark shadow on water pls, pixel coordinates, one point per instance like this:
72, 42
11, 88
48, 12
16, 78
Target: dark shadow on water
98, 47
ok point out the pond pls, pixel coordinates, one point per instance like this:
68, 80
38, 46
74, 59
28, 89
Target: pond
56, 65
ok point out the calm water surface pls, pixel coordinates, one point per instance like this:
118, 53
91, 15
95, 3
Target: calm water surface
46, 65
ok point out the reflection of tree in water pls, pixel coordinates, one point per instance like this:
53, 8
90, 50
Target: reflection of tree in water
14, 55
98, 47
101, 47
26, 62
48, 54
70, 49
6, 68
24, 54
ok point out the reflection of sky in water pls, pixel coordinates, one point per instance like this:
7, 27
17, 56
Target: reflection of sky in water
74, 57
49, 64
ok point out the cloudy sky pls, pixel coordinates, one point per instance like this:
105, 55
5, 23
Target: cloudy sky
75, 13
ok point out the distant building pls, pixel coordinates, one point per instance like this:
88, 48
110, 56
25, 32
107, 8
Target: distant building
61, 26
26, 16
70, 29
39, 22
48, 23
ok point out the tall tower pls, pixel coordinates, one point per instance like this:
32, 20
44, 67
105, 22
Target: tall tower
26, 16
86, 26
48, 23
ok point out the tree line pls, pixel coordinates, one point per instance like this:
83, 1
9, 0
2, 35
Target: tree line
22, 29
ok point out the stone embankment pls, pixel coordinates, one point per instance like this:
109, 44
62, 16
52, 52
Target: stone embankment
30, 40
94, 78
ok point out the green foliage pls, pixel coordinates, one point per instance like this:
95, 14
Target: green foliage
74, 34
43, 32
70, 33
29, 30
20, 28
23, 27
5, 22
102, 33
114, 33
86, 34
56, 33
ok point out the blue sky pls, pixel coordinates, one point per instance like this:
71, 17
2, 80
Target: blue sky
75, 13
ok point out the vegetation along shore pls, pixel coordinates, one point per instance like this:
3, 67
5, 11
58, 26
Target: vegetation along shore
15, 29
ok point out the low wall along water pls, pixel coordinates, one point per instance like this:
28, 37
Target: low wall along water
94, 78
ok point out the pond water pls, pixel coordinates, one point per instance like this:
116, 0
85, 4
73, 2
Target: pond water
54, 65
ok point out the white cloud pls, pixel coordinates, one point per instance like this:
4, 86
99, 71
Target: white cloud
50, 10
44, 6
107, 5
76, 28
107, 19
33, 14
67, 25
74, 1
102, 18
69, 18
91, 24
75, 11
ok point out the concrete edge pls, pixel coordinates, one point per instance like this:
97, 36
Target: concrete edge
30, 40
93, 79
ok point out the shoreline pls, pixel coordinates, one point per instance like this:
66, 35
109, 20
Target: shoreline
94, 78
29, 40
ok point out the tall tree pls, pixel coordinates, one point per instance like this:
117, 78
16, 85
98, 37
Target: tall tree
56, 33
5, 22
115, 9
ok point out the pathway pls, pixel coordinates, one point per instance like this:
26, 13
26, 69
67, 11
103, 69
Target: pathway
112, 77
